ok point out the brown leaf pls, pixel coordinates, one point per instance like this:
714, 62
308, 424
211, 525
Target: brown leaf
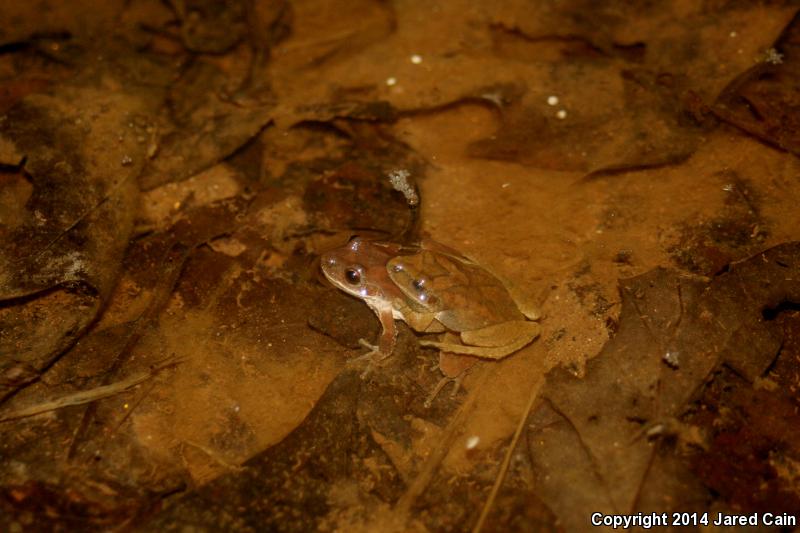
81, 157
209, 119
764, 101
589, 447
292, 482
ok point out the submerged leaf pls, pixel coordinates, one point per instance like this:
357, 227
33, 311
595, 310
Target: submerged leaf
592, 433
82, 154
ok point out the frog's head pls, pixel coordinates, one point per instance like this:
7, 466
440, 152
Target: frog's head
358, 268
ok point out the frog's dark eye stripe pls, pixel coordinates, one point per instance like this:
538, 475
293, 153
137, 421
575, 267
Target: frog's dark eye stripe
353, 276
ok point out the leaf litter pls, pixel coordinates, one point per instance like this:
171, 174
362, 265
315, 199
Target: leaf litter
166, 201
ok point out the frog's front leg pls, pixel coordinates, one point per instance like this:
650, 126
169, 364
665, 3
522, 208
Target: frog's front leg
386, 342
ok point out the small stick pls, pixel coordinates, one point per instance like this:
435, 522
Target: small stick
501, 475
86, 396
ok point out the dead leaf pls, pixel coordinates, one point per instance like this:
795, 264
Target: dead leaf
81, 155
590, 445
763, 101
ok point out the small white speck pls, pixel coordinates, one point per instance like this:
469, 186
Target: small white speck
494, 97
416, 59
773, 57
552, 100
733, 34
728, 187
505, 185
391, 81
672, 358
472, 442
561, 114
400, 182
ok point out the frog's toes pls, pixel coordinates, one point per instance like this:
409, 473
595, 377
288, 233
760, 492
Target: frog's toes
374, 358
374, 361
442, 384
367, 359
366, 344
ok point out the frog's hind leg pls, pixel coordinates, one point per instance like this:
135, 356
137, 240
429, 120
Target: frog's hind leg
453, 368
486, 352
493, 342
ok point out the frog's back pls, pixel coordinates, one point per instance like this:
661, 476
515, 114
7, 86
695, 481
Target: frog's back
484, 302
463, 295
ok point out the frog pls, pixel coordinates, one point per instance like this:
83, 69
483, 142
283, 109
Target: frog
465, 298
433, 289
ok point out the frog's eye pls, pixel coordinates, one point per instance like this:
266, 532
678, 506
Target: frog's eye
353, 276
419, 284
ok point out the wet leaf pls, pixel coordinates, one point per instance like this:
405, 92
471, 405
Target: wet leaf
78, 153
745, 448
29, 20
592, 433
294, 479
210, 26
208, 121
763, 101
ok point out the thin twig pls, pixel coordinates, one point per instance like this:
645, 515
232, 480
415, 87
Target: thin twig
501, 475
86, 396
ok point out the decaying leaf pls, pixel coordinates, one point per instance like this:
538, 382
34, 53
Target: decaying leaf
80, 150
763, 101
208, 122
591, 444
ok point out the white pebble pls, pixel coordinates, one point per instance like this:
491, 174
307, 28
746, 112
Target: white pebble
552, 100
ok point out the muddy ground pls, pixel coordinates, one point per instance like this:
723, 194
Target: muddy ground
170, 172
